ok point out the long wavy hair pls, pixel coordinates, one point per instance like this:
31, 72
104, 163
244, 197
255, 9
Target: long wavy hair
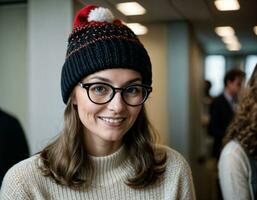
66, 159
244, 125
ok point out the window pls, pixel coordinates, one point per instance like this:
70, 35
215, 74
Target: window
214, 72
250, 63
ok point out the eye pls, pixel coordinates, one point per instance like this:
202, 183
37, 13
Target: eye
133, 90
100, 89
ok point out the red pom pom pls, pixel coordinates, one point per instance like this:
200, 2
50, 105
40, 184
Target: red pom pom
117, 22
81, 17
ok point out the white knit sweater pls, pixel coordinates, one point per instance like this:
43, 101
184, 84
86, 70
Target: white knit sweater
24, 181
235, 173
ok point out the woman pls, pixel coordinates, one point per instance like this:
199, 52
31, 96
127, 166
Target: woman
106, 149
238, 160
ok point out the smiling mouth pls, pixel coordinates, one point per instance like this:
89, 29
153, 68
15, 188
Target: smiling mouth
113, 120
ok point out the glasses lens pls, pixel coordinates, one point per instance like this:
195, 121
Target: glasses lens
135, 95
100, 93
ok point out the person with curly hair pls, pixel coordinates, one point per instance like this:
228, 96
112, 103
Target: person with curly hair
107, 149
238, 161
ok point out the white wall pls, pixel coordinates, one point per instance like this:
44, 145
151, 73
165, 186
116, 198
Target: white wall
49, 24
13, 63
33, 45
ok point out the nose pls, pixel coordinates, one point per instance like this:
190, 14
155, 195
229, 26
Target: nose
117, 104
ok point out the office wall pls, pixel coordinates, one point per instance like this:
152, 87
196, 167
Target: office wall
49, 24
32, 51
175, 105
195, 97
237, 61
33, 45
155, 42
184, 90
178, 72
13, 62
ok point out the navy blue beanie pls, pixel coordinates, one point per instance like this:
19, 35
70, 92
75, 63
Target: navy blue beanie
99, 42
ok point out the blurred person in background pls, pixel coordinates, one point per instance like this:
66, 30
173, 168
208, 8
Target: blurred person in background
206, 102
238, 161
223, 107
205, 140
207, 89
13, 143
106, 149
222, 111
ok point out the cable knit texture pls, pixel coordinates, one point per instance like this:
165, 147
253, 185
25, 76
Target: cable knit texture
24, 181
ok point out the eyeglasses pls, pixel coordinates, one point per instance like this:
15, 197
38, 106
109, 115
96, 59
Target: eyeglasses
102, 93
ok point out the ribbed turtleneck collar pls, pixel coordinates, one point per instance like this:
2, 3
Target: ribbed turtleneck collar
110, 161
111, 168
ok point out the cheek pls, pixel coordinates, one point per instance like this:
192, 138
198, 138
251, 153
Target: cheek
88, 114
86, 110
135, 112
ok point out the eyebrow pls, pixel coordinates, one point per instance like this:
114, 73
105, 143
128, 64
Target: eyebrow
109, 81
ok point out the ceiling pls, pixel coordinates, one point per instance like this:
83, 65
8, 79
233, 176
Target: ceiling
202, 16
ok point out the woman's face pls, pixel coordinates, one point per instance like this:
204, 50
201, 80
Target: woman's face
106, 124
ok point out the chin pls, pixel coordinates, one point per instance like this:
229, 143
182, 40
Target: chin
113, 136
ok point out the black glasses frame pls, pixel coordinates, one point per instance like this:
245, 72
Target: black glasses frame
114, 89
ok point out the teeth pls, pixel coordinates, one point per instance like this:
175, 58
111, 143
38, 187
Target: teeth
112, 120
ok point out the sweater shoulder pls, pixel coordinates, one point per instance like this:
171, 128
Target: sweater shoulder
233, 148
24, 168
178, 173
234, 153
172, 155
175, 163
20, 177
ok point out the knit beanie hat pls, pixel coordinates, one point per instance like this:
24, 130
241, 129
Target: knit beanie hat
99, 42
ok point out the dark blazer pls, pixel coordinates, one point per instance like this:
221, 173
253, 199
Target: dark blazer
13, 144
221, 114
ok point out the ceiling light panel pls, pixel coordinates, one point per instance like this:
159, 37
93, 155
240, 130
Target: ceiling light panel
234, 47
137, 28
131, 8
230, 39
224, 31
226, 5
255, 29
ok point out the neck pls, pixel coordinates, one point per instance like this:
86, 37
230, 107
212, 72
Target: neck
228, 92
98, 147
101, 150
